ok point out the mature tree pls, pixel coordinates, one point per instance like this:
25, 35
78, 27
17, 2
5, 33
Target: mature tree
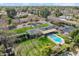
7, 40
44, 13
11, 12
58, 13
77, 38
75, 35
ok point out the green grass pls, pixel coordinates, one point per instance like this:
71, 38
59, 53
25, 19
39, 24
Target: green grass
43, 25
22, 30
64, 47
1, 50
65, 37
38, 47
34, 47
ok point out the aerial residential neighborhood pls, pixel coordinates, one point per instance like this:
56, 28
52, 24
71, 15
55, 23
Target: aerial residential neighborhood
39, 31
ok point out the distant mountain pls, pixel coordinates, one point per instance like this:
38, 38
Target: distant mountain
39, 4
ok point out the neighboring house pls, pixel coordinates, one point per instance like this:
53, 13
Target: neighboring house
41, 22
30, 18
2, 21
2, 12
23, 25
67, 11
3, 24
53, 19
11, 27
21, 14
22, 20
66, 29
66, 17
75, 12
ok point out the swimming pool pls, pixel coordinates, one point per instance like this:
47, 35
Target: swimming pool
56, 38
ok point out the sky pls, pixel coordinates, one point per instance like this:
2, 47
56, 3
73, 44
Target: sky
39, 4
39, 1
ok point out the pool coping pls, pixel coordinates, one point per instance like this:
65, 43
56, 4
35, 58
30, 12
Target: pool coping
57, 42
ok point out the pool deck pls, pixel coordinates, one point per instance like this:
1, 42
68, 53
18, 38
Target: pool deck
57, 42
48, 31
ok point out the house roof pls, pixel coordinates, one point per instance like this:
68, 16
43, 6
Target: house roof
49, 31
34, 31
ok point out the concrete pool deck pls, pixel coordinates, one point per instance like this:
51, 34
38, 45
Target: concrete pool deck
55, 41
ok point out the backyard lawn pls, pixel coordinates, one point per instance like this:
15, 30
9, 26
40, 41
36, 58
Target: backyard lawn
65, 37
43, 25
21, 30
34, 47
24, 29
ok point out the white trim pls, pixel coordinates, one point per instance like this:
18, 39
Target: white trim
57, 42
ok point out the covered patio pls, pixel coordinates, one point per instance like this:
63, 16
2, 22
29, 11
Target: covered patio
49, 31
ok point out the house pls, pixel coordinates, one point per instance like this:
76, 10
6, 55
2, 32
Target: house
66, 17
54, 19
11, 27
47, 30
34, 33
3, 24
22, 20
3, 12
65, 29
21, 14
23, 25
66, 11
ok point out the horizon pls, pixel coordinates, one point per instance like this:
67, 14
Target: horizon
39, 4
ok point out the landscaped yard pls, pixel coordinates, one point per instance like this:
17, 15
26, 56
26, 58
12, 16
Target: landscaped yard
34, 47
39, 46
43, 25
65, 37
1, 50
24, 29
21, 30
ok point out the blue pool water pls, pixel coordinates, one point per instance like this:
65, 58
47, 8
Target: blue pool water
55, 38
